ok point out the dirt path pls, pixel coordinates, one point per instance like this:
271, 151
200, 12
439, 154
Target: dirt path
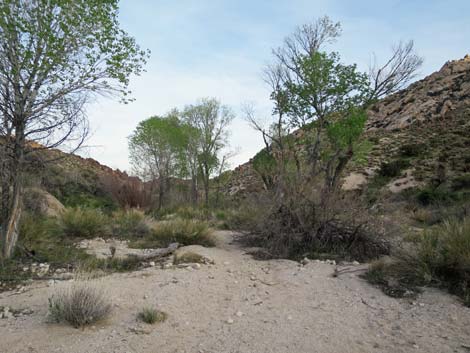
240, 305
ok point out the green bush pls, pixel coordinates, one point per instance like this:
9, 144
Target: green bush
442, 259
411, 149
43, 238
184, 232
394, 168
461, 182
150, 315
129, 223
431, 195
84, 223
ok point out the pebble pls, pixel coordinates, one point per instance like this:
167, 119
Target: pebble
230, 321
239, 314
152, 263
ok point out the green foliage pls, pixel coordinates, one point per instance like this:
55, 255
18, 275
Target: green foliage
393, 168
151, 315
461, 182
412, 149
265, 165
184, 232
44, 238
435, 195
442, 259
323, 78
109, 265
84, 223
129, 224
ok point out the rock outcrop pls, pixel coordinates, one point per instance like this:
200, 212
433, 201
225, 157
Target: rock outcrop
429, 99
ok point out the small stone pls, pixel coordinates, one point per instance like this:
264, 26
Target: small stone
146, 296
305, 261
356, 263
152, 263
239, 314
226, 263
229, 321
50, 283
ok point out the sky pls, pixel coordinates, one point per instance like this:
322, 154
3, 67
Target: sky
218, 48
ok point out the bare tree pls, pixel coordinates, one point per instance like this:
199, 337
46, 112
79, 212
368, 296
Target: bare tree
55, 56
397, 72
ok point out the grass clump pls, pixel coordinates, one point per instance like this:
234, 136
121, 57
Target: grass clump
114, 264
81, 304
184, 232
84, 223
151, 315
189, 257
129, 223
442, 259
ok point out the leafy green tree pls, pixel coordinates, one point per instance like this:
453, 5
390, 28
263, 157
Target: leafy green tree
211, 119
55, 56
157, 151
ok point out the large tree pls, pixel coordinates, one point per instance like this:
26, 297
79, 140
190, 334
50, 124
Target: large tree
157, 151
55, 56
211, 120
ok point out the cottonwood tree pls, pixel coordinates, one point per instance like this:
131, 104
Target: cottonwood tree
211, 119
157, 149
327, 99
325, 102
55, 56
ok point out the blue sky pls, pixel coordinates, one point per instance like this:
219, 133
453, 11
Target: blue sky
203, 48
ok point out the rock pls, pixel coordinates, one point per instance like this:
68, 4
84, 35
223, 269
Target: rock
229, 321
43, 203
152, 263
239, 314
305, 261
50, 283
356, 263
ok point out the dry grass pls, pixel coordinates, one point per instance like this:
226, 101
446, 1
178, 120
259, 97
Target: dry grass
80, 304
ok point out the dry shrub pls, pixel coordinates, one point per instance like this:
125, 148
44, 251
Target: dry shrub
301, 226
81, 303
129, 192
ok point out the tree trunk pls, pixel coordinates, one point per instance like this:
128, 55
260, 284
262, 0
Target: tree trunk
10, 221
194, 192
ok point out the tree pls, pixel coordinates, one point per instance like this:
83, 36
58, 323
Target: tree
55, 56
157, 149
324, 102
211, 120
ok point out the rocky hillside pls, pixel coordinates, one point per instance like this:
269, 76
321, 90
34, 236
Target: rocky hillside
421, 132
78, 181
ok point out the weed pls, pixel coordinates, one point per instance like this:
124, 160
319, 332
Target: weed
151, 315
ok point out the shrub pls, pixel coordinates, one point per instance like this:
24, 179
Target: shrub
80, 304
42, 238
150, 315
189, 258
431, 195
442, 259
129, 223
126, 264
411, 149
184, 232
461, 182
394, 168
84, 223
